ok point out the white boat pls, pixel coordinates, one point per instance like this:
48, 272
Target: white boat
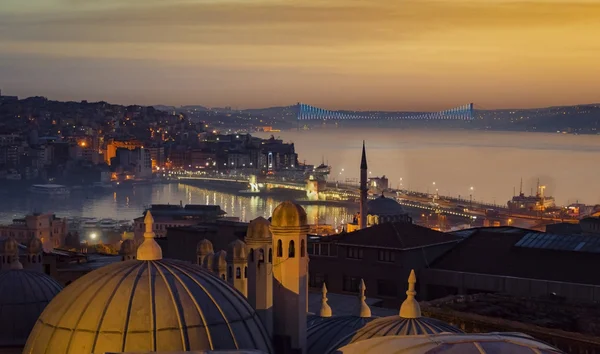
49, 189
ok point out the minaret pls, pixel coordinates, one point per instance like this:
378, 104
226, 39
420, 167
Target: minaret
363, 309
220, 264
290, 269
259, 246
325, 310
363, 188
238, 266
410, 307
149, 250
34, 255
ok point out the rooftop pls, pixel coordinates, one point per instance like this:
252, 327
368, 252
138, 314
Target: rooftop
525, 254
402, 236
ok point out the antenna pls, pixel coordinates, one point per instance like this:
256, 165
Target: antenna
537, 191
521, 188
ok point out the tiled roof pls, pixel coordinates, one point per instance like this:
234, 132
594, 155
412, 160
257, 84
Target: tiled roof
396, 235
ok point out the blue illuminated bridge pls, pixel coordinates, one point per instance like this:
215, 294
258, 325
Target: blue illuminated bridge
306, 113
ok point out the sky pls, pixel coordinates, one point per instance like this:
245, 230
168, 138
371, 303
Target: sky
334, 54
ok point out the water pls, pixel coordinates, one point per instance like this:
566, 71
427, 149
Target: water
127, 204
491, 162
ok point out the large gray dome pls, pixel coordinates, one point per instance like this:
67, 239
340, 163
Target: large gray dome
23, 296
383, 206
396, 326
146, 306
324, 332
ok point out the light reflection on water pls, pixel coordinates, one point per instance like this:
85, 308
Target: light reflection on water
127, 204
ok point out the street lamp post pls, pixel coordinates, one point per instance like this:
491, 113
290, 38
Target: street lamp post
471, 198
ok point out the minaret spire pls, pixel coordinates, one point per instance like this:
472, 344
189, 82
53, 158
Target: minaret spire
363, 188
325, 309
363, 309
410, 307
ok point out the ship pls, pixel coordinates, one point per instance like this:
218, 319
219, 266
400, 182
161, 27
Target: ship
537, 202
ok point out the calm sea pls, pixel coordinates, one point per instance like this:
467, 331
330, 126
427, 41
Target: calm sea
491, 162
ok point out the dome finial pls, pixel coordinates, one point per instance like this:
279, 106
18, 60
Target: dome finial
410, 307
364, 310
149, 250
325, 309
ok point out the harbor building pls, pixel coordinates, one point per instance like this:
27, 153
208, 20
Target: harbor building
49, 229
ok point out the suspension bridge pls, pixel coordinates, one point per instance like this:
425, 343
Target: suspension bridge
307, 113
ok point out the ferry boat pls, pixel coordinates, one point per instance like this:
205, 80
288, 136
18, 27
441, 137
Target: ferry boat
89, 223
49, 189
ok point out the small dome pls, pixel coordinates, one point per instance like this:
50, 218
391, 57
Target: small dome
127, 247
11, 247
288, 214
24, 296
204, 248
258, 229
323, 333
220, 260
238, 250
384, 206
148, 306
34, 246
451, 343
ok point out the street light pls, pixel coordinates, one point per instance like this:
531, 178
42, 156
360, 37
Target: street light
471, 197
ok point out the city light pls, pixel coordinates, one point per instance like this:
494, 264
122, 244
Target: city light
93, 235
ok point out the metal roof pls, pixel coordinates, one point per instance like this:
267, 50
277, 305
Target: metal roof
576, 243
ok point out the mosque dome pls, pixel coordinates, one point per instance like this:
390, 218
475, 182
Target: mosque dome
288, 214
451, 343
148, 305
145, 306
407, 323
24, 296
323, 333
258, 229
205, 247
383, 206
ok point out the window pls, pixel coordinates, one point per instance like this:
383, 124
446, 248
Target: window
311, 247
230, 272
354, 253
238, 273
292, 250
261, 255
387, 288
279, 248
322, 249
302, 249
270, 255
386, 256
316, 280
246, 272
351, 284
251, 255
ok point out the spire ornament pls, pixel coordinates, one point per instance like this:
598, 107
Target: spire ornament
325, 309
149, 250
363, 309
410, 307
